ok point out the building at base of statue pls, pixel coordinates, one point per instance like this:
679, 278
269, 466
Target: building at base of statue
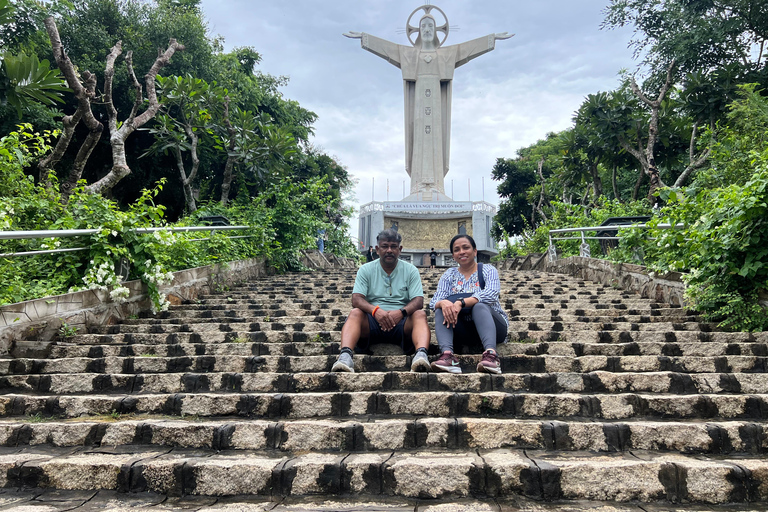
429, 224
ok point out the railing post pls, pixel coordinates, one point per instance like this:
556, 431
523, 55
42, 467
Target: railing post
584, 250
551, 251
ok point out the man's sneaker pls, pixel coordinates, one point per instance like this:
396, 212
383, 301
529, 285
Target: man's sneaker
447, 362
344, 363
420, 362
489, 363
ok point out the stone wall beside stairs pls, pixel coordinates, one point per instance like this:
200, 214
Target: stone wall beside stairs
668, 288
41, 319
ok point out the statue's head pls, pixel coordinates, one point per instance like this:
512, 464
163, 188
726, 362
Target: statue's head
427, 32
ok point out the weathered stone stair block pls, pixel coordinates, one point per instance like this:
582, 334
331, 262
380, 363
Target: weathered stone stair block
642, 477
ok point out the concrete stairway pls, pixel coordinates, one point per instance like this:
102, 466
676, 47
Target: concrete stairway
605, 397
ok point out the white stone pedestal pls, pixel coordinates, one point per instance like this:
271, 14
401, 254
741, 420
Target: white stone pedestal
427, 224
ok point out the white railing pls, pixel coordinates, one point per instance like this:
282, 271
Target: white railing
584, 249
67, 233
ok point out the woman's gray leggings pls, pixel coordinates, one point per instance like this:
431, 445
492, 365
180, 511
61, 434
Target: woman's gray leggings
490, 326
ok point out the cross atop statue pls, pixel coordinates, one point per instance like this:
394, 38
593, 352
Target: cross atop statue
427, 68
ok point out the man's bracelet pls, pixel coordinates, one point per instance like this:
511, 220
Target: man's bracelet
373, 313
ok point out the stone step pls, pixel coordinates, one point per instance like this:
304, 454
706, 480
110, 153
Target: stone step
231, 325
609, 337
47, 500
514, 326
641, 476
578, 302
508, 301
227, 315
256, 310
521, 337
624, 406
248, 348
596, 382
718, 437
322, 363
320, 320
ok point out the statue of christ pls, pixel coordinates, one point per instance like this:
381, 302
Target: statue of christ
427, 69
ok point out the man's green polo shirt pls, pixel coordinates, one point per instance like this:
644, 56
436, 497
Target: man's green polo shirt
390, 292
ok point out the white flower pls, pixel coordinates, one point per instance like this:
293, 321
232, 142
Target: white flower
120, 294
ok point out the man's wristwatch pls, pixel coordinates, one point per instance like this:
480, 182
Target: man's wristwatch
404, 312
463, 304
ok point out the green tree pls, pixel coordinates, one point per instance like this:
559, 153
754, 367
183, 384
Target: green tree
700, 35
188, 107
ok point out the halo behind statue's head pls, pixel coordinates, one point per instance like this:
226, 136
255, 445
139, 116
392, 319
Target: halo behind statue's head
410, 29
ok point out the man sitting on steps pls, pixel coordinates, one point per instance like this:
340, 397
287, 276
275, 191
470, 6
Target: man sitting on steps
387, 303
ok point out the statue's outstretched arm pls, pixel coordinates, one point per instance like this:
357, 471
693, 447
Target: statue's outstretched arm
387, 50
471, 49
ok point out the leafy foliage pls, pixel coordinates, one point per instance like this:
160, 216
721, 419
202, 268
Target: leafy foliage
282, 221
700, 34
28, 79
24, 78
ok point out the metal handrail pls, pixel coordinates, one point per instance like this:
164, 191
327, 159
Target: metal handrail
584, 249
66, 233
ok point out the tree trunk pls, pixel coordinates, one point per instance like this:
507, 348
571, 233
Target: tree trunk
646, 157
615, 185
46, 165
84, 93
226, 182
189, 197
542, 194
639, 182
597, 184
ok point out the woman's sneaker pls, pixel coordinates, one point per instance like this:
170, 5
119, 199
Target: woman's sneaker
447, 362
489, 363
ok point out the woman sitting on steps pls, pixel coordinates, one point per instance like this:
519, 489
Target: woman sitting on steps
467, 303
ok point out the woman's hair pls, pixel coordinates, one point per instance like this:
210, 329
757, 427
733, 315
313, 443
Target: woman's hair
471, 241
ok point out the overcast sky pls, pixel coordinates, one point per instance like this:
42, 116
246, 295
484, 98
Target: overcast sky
502, 101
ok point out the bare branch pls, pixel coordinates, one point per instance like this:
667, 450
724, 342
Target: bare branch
109, 75
149, 81
136, 85
45, 166
120, 168
694, 162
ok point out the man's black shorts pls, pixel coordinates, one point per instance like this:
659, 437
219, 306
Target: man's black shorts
396, 336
